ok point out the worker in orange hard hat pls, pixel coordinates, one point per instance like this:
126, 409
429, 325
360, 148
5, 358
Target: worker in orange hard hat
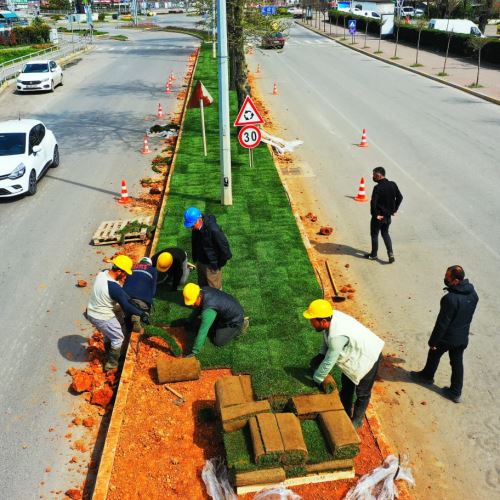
351, 346
172, 266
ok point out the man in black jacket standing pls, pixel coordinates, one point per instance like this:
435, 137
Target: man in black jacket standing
451, 332
385, 202
210, 247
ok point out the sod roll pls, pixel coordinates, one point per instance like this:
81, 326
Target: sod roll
177, 370
328, 385
233, 390
235, 417
257, 444
330, 466
295, 449
264, 476
339, 434
309, 406
270, 433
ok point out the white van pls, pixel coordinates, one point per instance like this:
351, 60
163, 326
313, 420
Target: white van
456, 26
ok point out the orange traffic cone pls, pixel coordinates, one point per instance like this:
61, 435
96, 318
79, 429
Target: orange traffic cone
258, 68
145, 150
172, 76
124, 198
363, 143
168, 89
361, 196
159, 113
275, 89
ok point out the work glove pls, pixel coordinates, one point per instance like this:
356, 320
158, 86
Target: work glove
328, 385
145, 318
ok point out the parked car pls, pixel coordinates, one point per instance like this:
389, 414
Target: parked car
39, 75
406, 11
273, 41
456, 25
27, 150
296, 12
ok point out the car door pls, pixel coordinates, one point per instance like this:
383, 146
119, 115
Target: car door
38, 159
56, 72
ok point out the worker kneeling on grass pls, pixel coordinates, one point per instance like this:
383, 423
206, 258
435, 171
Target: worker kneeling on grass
355, 349
172, 266
107, 292
221, 314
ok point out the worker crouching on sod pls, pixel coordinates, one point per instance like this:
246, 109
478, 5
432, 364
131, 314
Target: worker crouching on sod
355, 349
221, 314
172, 266
107, 292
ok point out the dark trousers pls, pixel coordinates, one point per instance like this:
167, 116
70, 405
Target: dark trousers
456, 353
380, 226
224, 334
363, 392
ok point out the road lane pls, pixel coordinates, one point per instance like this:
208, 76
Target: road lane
441, 146
99, 118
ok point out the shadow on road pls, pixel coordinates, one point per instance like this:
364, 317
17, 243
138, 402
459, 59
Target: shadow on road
86, 186
339, 249
73, 348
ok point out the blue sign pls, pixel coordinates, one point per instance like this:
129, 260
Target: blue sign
352, 26
268, 10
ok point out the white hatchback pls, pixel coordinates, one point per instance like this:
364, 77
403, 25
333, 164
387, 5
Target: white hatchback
27, 150
39, 75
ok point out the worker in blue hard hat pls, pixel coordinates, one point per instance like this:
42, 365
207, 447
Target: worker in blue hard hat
210, 248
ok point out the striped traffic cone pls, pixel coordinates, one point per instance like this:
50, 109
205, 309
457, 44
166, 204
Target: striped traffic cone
364, 142
258, 69
172, 76
145, 149
159, 113
124, 197
168, 89
361, 196
275, 89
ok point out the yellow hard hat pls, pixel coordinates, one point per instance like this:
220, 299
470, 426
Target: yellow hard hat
319, 309
164, 262
191, 292
124, 263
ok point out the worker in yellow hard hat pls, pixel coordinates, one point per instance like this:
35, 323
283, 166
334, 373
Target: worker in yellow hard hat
172, 266
220, 313
106, 293
351, 346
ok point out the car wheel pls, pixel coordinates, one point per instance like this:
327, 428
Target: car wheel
55, 157
32, 184
61, 82
52, 86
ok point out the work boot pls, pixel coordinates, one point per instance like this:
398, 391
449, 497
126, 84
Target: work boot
419, 378
449, 394
113, 359
369, 256
391, 258
136, 323
245, 325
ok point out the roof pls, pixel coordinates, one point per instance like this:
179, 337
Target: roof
38, 61
23, 125
7, 14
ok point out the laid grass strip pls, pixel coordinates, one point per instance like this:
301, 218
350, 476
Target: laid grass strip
13, 53
317, 447
270, 273
154, 331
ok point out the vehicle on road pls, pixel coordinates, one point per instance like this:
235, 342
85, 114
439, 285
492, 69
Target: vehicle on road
406, 11
27, 149
456, 25
39, 75
296, 12
273, 41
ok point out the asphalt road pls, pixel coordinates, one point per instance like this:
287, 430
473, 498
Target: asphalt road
441, 146
99, 118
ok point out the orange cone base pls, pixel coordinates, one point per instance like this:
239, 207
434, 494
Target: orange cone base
363, 144
124, 201
361, 198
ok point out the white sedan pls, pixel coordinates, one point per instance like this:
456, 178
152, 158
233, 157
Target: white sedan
39, 75
27, 150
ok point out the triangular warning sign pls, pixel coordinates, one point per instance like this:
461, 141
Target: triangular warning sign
200, 93
248, 114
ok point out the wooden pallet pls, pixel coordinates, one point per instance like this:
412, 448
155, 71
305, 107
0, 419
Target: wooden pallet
107, 233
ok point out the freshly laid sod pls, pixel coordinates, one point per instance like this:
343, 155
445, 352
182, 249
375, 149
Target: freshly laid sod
270, 273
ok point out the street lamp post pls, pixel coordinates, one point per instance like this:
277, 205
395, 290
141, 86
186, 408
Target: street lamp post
224, 127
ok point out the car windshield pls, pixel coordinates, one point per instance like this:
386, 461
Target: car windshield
12, 144
36, 68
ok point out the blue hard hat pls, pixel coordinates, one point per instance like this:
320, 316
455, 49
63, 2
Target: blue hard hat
191, 215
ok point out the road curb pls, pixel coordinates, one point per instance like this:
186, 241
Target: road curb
485, 97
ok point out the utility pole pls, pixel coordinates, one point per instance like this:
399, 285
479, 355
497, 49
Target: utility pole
224, 127
213, 30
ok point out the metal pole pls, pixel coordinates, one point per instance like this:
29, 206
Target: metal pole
202, 109
224, 130
213, 30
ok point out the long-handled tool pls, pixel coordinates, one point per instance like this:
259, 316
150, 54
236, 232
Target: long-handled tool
336, 297
180, 397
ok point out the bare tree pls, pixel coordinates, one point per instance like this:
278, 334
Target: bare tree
383, 20
366, 32
477, 45
397, 23
420, 24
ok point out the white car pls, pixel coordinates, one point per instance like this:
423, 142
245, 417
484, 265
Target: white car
27, 150
39, 75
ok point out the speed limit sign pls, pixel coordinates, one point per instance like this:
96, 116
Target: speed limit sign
250, 136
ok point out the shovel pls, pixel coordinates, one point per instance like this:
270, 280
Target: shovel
180, 397
336, 297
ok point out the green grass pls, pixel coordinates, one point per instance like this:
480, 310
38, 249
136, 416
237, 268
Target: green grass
315, 442
15, 52
120, 38
270, 273
239, 451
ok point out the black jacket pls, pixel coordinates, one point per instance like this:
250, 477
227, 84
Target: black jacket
229, 310
210, 245
174, 274
455, 316
386, 199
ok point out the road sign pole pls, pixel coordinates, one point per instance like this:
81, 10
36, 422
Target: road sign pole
224, 131
202, 109
213, 29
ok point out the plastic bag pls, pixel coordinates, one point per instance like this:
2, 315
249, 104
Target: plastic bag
379, 483
280, 493
214, 475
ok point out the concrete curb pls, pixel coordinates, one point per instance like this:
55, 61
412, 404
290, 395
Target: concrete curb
103, 477
485, 97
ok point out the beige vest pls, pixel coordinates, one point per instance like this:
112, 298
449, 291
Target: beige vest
363, 349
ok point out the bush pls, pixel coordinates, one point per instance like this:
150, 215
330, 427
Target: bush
31, 34
56, 17
101, 16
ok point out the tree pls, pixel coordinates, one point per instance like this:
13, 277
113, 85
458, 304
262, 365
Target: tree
477, 44
420, 24
383, 20
59, 5
397, 23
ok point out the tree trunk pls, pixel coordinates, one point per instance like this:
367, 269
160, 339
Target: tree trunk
236, 50
478, 66
446, 55
418, 47
397, 41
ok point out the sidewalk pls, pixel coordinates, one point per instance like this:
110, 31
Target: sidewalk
461, 72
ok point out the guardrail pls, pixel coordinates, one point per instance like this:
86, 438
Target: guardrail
9, 69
